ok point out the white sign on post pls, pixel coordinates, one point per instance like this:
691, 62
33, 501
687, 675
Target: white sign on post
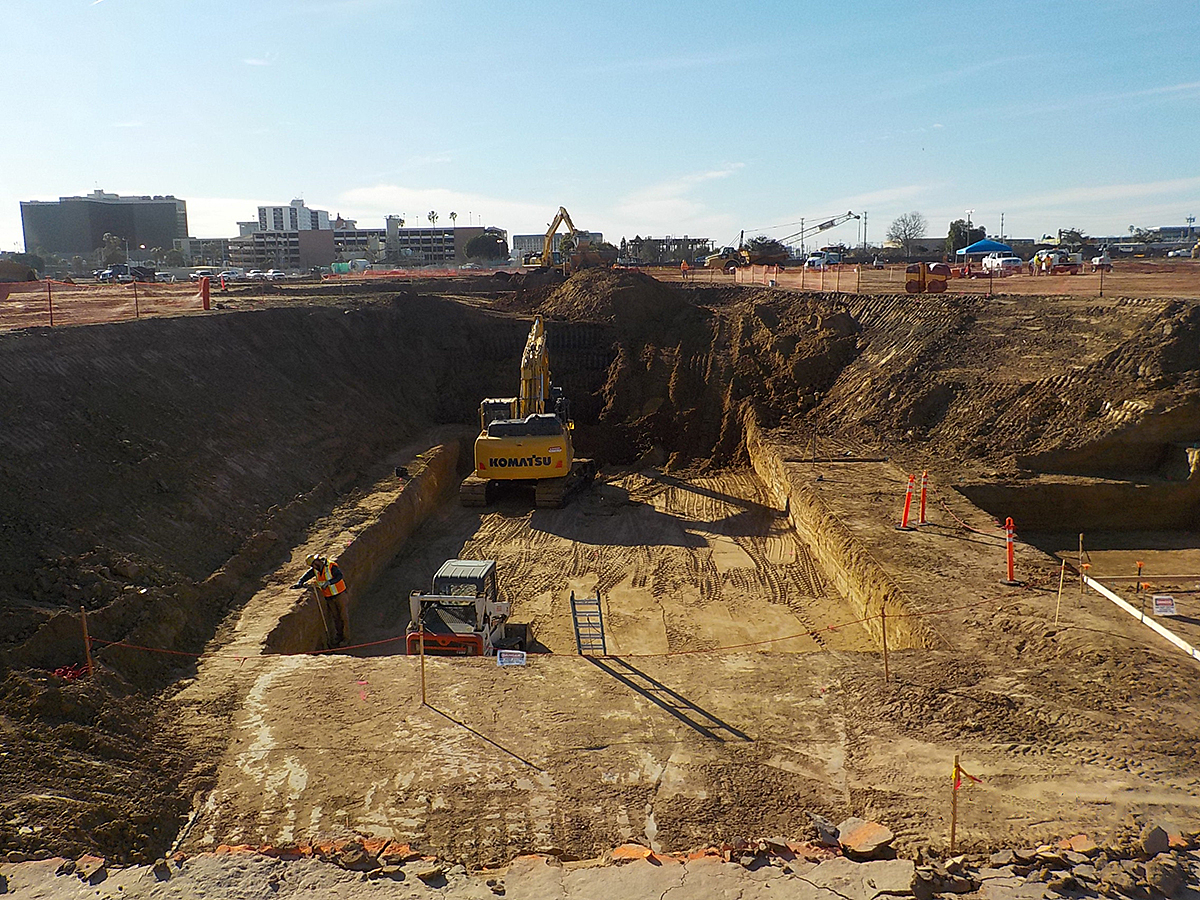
1164, 605
510, 657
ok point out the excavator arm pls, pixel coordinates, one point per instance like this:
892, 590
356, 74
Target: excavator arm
535, 371
548, 246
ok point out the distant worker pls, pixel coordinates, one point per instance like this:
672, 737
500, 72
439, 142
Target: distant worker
683, 269
331, 585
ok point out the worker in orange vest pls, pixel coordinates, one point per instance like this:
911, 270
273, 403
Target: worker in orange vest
683, 269
331, 585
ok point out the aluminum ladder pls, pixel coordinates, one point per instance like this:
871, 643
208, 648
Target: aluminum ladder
589, 625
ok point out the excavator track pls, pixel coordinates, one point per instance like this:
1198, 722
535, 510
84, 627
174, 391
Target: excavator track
473, 491
553, 492
550, 493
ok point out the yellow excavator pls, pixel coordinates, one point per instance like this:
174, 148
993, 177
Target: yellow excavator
577, 252
528, 438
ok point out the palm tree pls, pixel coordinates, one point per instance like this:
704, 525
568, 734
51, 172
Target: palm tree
433, 217
453, 218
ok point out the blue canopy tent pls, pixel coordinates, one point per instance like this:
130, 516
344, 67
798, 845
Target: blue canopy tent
984, 247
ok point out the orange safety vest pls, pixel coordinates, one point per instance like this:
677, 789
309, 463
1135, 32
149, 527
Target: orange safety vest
325, 582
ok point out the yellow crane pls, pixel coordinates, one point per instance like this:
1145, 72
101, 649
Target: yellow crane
527, 438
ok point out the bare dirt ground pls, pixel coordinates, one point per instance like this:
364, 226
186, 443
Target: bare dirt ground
680, 563
169, 475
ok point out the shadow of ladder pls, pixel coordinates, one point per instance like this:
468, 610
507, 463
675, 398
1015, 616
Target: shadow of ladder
589, 625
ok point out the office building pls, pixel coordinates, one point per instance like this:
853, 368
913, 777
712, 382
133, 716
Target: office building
77, 225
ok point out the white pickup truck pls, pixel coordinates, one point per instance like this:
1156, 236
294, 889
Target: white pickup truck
1000, 264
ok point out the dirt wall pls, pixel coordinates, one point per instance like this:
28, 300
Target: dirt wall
845, 562
371, 550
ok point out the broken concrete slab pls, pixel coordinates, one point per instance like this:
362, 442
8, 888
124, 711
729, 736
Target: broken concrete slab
865, 880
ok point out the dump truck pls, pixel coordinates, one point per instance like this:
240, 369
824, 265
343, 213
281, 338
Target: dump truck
462, 615
527, 439
730, 258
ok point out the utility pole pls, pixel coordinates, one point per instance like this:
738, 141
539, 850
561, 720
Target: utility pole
1001, 226
864, 232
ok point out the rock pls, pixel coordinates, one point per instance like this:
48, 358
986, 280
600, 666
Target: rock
354, 857
864, 840
127, 569
398, 854
1154, 840
1002, 858
67, 868
1026, 854
630, 852
955, 865
827, 832
17, 856
1063, 884
1132, 868
39, 855
3, 884
1071, 858
1085, 872
161, 871
1081, 843
776, 845
1118, 882
92, 869
1050, 857
432, 874
1164, 874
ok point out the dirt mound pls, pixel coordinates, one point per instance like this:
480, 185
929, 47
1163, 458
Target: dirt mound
622, 297
1063, 385
14, 271
86, 766
630, 300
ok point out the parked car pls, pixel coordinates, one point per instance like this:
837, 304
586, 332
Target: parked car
1003, 265
274, 275
471, 266
254, 275
202, 273
165, 278
1180, 253
230, 275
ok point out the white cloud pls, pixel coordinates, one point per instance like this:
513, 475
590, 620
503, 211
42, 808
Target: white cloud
213, 217
667, 208
257, 62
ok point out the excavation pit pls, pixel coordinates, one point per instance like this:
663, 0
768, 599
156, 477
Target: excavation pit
214, 453
682, 564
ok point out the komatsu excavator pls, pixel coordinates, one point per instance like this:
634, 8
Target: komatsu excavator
528, 438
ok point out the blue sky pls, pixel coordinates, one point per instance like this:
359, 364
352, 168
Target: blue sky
699, 118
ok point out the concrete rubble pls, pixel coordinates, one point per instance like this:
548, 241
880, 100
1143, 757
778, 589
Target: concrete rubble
769, 867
